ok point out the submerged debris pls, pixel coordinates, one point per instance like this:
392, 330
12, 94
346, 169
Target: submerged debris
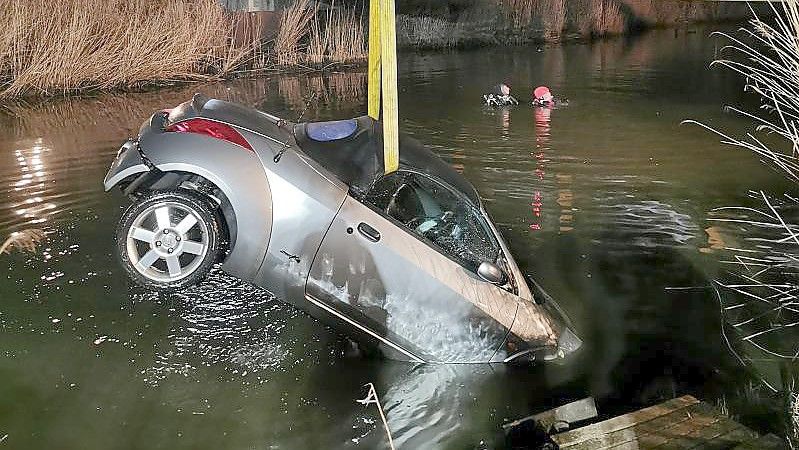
371, 398
795, 414
24, 241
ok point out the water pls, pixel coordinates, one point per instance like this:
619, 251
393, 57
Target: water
605, 201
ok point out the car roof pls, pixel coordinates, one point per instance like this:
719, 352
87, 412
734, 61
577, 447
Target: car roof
357, 159
352, 150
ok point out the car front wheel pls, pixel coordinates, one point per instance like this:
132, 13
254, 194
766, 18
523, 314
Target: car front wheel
169, 240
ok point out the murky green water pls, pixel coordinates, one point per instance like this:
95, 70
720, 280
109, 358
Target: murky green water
605, 201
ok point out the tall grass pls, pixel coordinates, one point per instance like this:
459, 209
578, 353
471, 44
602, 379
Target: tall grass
425, 32
337, 36
550, 17
295, 25
519, 13
607, 17
55, 47
554, 14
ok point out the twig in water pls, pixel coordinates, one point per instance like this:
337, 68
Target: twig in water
25, 241
371, 397
5, 436
794, 411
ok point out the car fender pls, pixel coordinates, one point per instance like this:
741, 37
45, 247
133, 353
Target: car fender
238, 173
128, 162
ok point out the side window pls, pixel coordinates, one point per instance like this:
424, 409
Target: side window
437, 214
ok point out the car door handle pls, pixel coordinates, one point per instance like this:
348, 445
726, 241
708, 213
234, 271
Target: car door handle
369, 232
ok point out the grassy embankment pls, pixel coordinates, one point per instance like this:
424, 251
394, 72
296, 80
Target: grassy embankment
55, 48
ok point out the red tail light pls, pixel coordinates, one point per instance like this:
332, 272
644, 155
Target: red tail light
207, 127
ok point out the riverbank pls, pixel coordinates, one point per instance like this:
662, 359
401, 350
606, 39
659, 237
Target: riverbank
99, 45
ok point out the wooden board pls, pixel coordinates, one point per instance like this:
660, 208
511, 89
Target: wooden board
567, 414
681, 423
767, 442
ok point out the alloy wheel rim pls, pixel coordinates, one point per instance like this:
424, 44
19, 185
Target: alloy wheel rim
167, 241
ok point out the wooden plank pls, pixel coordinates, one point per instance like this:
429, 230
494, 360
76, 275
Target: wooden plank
733, 438
704, 436
767, 442
599, 430
650, 432
569, 413
687, 435
668, 427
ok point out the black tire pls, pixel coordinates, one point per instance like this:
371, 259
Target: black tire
159, 275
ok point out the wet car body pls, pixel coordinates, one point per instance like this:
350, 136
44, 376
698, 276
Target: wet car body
408, 261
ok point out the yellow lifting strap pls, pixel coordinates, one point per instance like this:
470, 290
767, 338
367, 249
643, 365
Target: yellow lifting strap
383, 77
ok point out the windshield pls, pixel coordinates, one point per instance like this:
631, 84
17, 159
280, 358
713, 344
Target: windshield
437, 214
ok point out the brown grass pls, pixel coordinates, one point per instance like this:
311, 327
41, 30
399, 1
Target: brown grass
55, 47
295, 26
426, 32
337, 36
590, 17
607, 17
519, 13
547, 15
553, 14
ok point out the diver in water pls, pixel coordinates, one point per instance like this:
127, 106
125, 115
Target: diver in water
543, 98
500, 96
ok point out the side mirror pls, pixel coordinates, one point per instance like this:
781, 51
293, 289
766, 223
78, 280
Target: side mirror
491, 272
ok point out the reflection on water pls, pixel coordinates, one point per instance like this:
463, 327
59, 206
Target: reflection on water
604, 202
543, 117
653, 223
30, 185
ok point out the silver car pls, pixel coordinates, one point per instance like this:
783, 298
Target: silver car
408, 261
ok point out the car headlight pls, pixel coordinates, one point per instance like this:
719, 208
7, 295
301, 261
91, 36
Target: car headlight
568, 342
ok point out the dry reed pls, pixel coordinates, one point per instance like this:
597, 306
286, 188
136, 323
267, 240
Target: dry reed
519, 13
553, 13
339, 36
607, 18
295, 26
591, 17
424, 32
55, 47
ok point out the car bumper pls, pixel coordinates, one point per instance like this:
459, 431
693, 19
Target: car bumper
128, 162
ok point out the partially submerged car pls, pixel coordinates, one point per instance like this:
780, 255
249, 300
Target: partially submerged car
408, 261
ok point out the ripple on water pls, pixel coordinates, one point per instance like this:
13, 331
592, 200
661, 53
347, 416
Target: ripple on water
648, 223
228, 323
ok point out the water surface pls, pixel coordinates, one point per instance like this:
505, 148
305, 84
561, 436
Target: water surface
604, 201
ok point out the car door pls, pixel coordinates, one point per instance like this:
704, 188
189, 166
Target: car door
401, 264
